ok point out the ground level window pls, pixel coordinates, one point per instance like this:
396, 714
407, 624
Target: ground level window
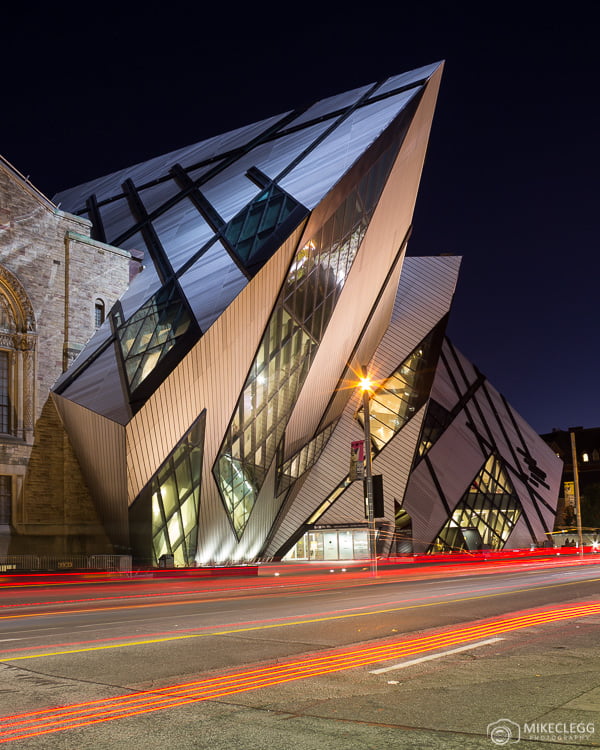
331, 544
5, 499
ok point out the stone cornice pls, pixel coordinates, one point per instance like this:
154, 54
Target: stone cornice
75, 237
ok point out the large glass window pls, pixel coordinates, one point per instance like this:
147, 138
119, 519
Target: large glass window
331, 544
395, 402
151, 332
289, 345
436, 420
304, 460
486, 514
167, 510
399, 397
247, 232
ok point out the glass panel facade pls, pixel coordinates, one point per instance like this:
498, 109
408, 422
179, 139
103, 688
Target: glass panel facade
5, 499
345, 545
302, 461
436, 420
394, 402
261, 415
288, 347
486, 514
151, 332
248, 231
171, 502
331, 544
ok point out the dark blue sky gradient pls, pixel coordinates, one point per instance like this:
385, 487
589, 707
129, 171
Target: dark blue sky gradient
510, 181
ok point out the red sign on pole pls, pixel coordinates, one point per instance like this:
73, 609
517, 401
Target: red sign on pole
357, 459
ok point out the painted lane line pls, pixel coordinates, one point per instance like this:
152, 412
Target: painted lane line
232, 630
412, 662
213, 687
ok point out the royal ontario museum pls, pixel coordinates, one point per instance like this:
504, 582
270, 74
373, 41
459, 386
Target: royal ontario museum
216, 413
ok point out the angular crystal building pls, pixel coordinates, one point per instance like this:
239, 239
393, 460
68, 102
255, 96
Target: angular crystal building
209, 411
461, 469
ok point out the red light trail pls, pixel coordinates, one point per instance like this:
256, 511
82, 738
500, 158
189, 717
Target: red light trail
35, 723
300, 577
123, 641
239, 627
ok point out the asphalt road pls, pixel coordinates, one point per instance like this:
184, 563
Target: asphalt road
63, 645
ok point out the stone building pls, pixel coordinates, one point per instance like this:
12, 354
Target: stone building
56, 287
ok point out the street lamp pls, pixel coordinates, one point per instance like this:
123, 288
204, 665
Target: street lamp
366, 386
572, 430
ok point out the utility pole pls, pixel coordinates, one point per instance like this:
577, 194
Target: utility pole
572, 430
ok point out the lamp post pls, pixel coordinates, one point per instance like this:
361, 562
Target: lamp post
572, 430
366, 387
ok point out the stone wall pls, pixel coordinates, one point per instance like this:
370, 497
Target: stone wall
52, 270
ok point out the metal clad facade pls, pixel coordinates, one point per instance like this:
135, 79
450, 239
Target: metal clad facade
216, 227
99, 445
393, 463
213, 373
383, 240
422, 299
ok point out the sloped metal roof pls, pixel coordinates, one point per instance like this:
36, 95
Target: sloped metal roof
179, 208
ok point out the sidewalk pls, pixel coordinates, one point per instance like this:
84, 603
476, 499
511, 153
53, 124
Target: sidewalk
533, 688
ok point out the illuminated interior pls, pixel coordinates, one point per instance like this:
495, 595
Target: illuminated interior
287, 350
304, 460
331, 544
486, 514
401, 395
167, 510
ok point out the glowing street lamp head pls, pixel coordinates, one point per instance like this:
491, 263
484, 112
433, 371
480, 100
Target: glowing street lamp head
366, 384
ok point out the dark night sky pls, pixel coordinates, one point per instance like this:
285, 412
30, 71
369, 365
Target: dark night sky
511, 177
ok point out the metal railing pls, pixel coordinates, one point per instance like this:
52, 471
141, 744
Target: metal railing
64, 563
